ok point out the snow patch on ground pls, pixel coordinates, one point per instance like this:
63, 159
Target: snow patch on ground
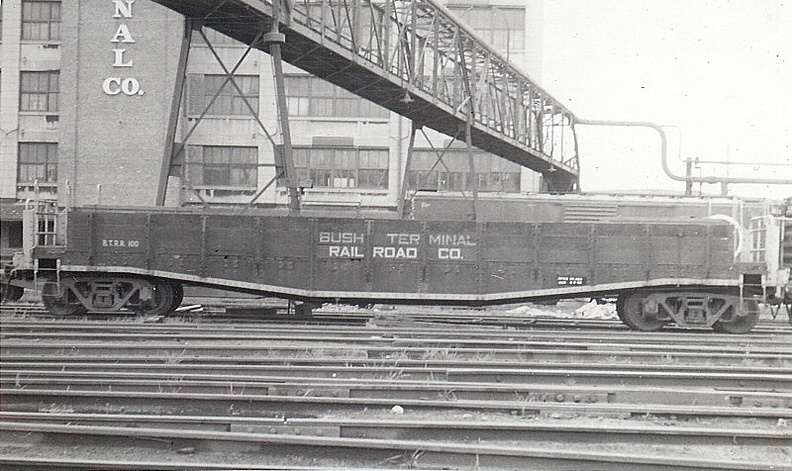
592, 310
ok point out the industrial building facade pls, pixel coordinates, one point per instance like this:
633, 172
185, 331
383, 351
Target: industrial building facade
87, 88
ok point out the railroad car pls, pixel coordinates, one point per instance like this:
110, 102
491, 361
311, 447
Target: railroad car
692, 272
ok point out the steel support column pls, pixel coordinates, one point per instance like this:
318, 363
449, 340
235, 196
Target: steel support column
274, 39
173, 119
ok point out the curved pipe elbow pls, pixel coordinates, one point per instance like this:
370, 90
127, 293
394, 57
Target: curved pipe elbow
664, 156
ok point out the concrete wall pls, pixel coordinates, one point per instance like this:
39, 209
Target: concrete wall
9, 96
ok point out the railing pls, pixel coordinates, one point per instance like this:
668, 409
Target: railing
427, 48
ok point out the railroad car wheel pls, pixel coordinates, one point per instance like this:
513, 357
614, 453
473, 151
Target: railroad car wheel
160, 300
58, 301
620, 311
629, 308
178, 296
10, 293
740, 324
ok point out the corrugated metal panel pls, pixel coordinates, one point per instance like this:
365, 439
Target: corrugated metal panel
589, 212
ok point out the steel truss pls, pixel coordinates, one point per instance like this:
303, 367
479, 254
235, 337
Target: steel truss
416, 59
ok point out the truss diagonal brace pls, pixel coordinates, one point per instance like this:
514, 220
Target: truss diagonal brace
173, 119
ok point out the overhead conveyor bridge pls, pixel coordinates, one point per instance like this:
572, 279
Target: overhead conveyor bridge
416, 59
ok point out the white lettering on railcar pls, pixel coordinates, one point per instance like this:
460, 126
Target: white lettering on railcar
404, 239
395, 252
451, 239
344, 251
449, 253
563, 280
126, 243
341, 238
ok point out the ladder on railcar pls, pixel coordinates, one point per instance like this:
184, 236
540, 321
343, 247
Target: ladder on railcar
770, 240
45, 224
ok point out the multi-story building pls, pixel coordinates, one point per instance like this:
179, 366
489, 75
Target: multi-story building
86, 88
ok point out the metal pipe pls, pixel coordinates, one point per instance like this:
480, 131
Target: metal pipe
697, 160
664, 156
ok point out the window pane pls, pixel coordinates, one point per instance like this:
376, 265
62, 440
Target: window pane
230, 101
229, 166
39, 91
312, 96
216, 175
38, 160
453, 173
243, 176
344, 167
41, 20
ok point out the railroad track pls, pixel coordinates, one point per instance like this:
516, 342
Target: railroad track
214, 311
230, 396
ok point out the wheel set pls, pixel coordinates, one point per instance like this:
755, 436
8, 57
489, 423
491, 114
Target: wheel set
649, 311
145, 296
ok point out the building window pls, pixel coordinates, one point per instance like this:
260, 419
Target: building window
230, 102
38, 161
14, 229
312, 96
329, 167
492, 173
39, 91
223, 166
41, 20
502, 27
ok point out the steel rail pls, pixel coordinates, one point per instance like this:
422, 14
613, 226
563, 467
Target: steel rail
257, 404
428, 454
393, 389
246, 312
411, 429
209, 354
439, 359
776, 346
177, 376
77, 330
217, 320
588, 375
17, 462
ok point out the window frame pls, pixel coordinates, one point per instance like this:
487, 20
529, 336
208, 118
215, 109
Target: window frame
493, 173
48, 95
49, 162
217, 168
309, 96
48, 24
229, 101
342, 167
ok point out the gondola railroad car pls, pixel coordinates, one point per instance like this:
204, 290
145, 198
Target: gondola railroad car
693, 273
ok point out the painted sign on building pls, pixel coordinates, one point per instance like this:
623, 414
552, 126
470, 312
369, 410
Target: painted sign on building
122, 9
